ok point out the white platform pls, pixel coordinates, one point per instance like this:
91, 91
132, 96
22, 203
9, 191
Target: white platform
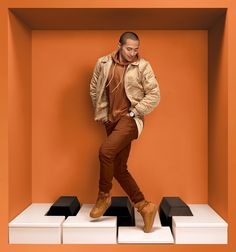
33, 227
136, 234
81, 229
204, 227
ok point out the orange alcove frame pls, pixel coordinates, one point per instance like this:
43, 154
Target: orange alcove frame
53, 140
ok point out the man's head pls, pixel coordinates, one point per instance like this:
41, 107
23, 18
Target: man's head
128, 46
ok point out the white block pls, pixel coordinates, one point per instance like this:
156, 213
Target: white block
136, 234
81, 229
33, 227
204, 227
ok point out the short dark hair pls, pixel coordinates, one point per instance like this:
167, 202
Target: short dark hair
128, 35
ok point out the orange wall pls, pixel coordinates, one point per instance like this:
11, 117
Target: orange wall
232, 123
231, 164
19, 116
218, 118
3, 128
171, 154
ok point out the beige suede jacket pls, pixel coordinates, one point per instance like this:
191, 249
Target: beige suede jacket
141, 88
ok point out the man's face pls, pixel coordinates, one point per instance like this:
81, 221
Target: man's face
129, 50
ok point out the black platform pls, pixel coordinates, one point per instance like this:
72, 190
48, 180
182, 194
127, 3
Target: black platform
122, 208
172, 206
65, 206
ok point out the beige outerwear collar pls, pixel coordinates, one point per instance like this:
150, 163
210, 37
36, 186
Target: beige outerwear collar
109, 57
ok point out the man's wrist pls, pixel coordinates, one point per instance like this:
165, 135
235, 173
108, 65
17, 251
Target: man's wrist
132, 114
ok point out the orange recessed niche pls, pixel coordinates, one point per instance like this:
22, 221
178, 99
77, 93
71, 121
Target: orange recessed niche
53, 139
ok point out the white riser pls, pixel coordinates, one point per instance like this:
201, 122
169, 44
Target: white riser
135, 234
89, 235
81, 229
34, 235
204, 227
33, 227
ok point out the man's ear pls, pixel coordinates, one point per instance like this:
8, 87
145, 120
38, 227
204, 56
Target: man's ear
119, 45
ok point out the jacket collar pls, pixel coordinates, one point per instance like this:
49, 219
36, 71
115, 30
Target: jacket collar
109, 57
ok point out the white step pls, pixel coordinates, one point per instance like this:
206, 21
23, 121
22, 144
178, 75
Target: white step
204, 227
136, 234
81, 229
33, 227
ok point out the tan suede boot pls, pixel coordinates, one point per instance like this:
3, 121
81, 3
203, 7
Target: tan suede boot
148, 211
102, 204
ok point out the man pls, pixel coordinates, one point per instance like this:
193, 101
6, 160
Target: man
123, 90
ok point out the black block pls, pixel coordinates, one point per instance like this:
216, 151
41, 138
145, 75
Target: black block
172, 206
65, 206
122, 208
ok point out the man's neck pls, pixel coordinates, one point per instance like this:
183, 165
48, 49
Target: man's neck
121, 59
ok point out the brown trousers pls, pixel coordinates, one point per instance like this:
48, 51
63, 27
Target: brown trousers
113, 156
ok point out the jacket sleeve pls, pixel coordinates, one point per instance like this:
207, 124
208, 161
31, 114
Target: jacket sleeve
93, 82
151, 92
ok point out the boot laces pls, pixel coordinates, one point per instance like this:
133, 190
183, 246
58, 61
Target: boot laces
143, 205
101, 198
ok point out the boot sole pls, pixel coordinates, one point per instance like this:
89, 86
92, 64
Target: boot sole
148, 230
